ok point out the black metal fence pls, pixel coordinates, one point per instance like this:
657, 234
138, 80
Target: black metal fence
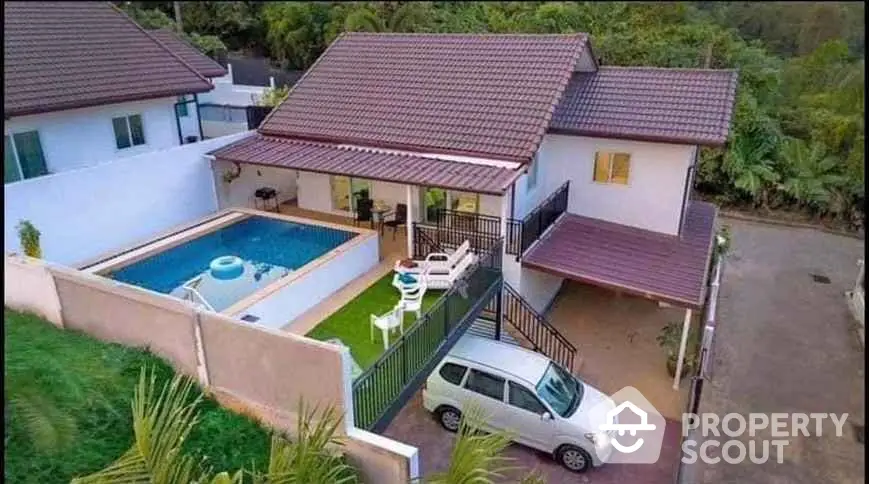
468, 222
228, 113
433, 238
521, 234
383, 389
536, 329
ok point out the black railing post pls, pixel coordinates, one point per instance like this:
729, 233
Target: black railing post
499, 314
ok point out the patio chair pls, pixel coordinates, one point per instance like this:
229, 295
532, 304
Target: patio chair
411, 299
399, 219
363, 211
438, 261
443, 278
386, 323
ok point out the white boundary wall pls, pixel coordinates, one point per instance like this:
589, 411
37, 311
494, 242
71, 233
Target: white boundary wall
89, 211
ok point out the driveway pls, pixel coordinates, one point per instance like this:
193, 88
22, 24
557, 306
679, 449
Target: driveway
785, 342
415, 426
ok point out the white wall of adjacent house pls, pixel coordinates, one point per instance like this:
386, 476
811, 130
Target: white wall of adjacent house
86, 212
652, 198
78, 138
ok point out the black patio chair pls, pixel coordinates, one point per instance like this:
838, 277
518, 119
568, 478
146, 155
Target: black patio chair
363, 211
398, 219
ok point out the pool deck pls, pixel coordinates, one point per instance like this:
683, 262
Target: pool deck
391, 249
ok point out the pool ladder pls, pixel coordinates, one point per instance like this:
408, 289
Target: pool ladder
191, 294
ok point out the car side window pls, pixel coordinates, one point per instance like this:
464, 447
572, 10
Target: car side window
453, 373
521, 397
486, 384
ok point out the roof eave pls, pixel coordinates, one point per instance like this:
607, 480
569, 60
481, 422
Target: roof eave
9, 113
716, 143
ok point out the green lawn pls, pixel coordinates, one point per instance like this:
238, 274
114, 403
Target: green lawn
351, 323
85, 387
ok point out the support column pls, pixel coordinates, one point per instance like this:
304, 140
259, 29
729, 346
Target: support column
499, 312
410, 219
686, 327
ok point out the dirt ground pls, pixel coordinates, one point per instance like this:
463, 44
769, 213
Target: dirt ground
786, 343
614, 336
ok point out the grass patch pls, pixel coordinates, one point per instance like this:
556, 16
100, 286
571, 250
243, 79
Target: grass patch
84, 387
351, 322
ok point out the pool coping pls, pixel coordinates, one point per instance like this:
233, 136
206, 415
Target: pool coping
162, 242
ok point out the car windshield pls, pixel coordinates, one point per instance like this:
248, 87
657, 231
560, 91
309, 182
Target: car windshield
560, 390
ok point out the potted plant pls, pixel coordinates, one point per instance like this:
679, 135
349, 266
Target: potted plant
28, 237
670, 339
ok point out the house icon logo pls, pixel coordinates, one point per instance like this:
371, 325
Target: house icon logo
632, 431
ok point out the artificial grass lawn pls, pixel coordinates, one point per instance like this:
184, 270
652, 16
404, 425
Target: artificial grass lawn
91, 384
351, 322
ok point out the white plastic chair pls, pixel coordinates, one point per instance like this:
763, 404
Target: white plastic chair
386, 323
437, 260
411, 299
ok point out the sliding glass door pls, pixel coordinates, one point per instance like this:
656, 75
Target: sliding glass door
345, 191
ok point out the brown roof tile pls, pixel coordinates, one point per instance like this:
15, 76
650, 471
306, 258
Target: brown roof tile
665, 267
64, 55
368, 163
479, 95
649, 104
203, 64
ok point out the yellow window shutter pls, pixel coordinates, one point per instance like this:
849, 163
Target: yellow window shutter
621, 168
601, 167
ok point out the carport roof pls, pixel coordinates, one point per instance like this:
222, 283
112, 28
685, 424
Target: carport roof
667, 268
369, 163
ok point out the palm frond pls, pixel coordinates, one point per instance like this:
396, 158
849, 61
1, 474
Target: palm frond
161, 423
477, 457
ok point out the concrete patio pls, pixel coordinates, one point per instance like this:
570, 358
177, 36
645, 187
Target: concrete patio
614, 337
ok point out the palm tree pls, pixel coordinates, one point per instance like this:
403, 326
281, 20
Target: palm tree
406, 18
477, 456
163, 420
812, 177
748, 163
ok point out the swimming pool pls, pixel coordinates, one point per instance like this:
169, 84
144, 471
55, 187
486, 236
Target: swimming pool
267, 250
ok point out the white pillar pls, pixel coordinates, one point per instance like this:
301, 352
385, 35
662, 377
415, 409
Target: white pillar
410, 218
686, 327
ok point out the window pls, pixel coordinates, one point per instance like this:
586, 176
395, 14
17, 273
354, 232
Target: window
532, 174
453, 373
486, 384
465, 202
524, 399
23, 157
128, 131
181, 108
560, 390
612, 167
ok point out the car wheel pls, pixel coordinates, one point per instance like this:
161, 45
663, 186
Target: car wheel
450, 418
573, 458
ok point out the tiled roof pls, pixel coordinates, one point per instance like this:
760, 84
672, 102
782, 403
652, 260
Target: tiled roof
64, 55
203, 64
482, 95
649, 104
664, 267
368, 163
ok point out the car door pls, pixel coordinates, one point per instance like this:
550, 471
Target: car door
487, 392
524, 412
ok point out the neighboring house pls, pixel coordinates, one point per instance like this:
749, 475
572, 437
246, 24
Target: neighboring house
586, 170
84, 84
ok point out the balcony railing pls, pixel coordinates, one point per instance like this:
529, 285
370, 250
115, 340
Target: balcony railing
521, 234
383, 389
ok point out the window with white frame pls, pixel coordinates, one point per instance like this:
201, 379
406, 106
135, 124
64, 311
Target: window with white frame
611, 167
129, 131
23, 157
532, 174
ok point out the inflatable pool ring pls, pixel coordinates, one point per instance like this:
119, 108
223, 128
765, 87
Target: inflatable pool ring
226, 267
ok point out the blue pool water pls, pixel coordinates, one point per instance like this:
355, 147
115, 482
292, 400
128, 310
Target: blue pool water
269, 248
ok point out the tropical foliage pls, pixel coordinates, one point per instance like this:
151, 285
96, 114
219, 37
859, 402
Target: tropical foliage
799, 107
28, 238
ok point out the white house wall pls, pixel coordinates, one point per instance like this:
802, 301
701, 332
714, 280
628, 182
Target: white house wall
240, 192
87, 212
538, 288
83, 137
652, 199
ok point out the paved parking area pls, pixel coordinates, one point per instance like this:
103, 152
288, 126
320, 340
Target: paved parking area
785, 342
415, 426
